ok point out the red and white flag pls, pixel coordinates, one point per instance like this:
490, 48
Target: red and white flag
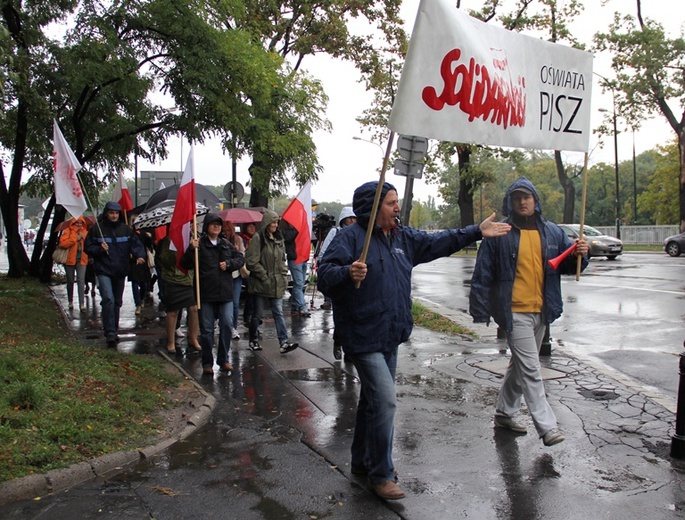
299, 215
184, 210
68, 191
122, 195
467, 81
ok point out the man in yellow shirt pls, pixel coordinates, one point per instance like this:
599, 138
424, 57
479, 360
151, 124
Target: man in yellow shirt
513, 284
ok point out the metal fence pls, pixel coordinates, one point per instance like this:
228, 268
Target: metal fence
641, 235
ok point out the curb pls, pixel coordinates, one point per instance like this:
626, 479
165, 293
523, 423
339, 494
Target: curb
32, 487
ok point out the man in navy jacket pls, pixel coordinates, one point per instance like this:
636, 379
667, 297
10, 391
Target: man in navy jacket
111, 245
374, 319
513, 283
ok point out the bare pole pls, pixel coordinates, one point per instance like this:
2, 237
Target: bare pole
376, 201
197, 263
579, 259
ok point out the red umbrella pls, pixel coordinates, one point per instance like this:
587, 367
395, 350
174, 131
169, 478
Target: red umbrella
240, 215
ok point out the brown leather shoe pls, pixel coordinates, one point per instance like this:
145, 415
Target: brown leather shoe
207, 369
226, 367
388, 490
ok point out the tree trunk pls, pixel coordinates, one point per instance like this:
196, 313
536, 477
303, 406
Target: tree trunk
465, 196
258, 195
569, 190
41, 265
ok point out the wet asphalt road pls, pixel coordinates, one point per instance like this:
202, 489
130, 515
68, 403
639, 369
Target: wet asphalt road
277, 444
627, 315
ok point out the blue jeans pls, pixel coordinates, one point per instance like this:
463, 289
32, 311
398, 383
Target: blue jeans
298, 272
208, 313
139, 290
237, 288
375, 423
276, 305
112, 294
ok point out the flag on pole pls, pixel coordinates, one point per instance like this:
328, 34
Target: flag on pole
122, 195
184, 210
299, 215
68, 191
467, 81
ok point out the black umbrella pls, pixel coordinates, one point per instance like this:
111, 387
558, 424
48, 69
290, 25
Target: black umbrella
202, 195
161, 215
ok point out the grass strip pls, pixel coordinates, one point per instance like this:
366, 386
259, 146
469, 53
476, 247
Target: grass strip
425, 317
63, 402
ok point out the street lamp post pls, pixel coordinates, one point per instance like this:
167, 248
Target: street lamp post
618, 204
614, 117
370, 142
634, 182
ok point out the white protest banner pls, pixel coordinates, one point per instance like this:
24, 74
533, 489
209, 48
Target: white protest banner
466, 81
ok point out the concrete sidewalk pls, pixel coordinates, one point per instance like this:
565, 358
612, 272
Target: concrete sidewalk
277, 442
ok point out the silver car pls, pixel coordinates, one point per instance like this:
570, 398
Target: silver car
600, 244
675, 245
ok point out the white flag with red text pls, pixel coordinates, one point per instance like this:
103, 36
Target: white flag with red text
184, 210
122, 195
68, 191
466, 81
299, 215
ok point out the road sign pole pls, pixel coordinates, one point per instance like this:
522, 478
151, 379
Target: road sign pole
406, 203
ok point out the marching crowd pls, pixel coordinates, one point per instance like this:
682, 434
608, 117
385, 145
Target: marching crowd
364, 272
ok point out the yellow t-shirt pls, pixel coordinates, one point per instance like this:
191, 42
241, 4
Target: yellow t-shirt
527, 292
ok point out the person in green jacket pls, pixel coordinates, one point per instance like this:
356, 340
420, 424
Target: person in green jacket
265, 259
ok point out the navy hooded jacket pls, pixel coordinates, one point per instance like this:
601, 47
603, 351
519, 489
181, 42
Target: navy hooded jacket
377, 316
493, 276
122, 241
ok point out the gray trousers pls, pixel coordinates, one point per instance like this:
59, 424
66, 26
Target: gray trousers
523, 378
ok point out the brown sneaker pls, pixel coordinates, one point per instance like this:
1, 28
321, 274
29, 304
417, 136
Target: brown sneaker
226, 367
207, 369
388, 490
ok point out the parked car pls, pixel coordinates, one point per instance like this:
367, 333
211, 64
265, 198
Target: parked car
675, 245
600, 244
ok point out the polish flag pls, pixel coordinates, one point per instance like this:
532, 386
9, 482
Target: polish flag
68, 191
299, 215
122, 195
184, 211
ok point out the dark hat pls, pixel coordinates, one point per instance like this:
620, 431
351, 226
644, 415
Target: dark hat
362, 201
112, 206
522, 189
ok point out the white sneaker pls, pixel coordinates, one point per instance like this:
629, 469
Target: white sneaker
235, 334
510, 424
180, 333
552, 437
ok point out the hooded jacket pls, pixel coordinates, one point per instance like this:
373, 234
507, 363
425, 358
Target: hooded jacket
122, 243
265, 259
377, 316
73, 238
216, 285
493, 277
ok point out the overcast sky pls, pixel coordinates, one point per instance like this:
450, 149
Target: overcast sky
347, 163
